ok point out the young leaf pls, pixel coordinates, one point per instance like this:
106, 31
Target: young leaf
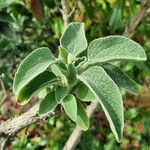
71, 75
71, 58
60, 93
42, 93
82, 118
48, 103
84, 93
34, 64
63, 53
70, 106
121, 79
73, 38
43, 79
114, 48
107, 93
59, 73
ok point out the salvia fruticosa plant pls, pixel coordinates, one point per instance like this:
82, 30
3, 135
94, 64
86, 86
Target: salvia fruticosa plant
80, 74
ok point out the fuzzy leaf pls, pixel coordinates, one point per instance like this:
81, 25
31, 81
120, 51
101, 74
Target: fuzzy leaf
48, 103
82, 118
43, 79
108, 94
59, 73
70, 106
34, 64
73, 38
121, 79
63, 53
84, 93
60, 93
114, 48
71, 75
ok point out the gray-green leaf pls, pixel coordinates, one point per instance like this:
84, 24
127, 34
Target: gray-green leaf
34, 64
70, 106
84, 93
59, 73
63, 54
73, 38
48, 103
121, 79
114, 48
71, 75
60, 93
82, 118
108, 94
43, 79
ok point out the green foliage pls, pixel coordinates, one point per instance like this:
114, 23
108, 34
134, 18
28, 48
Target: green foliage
82, 118
37, 62
84, 94
70, 106
72, 69
74, 34
5, 3
61, 93
121, 79
107, 93
114, 48
71, 75
5, 17
44, 79
115, 21
48, 103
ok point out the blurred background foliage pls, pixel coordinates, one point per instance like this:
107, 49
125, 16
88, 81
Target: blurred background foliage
29, 24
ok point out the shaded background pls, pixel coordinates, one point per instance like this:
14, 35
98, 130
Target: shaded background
29, 24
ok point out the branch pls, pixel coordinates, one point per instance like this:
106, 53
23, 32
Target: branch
143, 12
66, 13
9, 128
74, 138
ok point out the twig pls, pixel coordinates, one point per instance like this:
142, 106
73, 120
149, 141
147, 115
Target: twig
66, 13
74, 138
143, 12
9, 128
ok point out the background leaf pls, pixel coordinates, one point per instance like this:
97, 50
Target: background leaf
73, 38
107, 93
5, 17
115, 21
